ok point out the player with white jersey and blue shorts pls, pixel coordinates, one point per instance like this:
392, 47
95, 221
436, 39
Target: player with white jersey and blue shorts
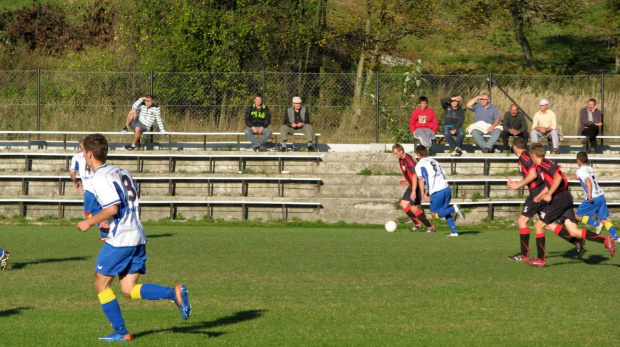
594, 203
124, 252
432, 176
91, 206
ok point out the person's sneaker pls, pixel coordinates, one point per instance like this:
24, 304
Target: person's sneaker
182, 300
310, 148
458, 152
416, 227
599, 228
130, 147
535, 262
486, 150
556, 151
255, 149
431, 229
4, 258
610, 244
452, 235
579, 247
125, 129
115, 337
517, 257
458, 211
282, 148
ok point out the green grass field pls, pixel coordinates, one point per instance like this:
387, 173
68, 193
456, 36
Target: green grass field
290, 285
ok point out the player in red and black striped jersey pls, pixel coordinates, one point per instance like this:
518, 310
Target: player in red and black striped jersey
410, 202
558, 216
535, 185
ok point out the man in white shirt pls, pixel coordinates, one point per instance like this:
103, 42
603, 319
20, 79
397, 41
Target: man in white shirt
545, 124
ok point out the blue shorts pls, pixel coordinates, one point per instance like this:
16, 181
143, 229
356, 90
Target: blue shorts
598, 206
113, 261
440, 200
91, 205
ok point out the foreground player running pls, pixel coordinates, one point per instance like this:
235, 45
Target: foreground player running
428, 170
124, 253
595, 203
4, 258
91, 206
559, 208
410, 202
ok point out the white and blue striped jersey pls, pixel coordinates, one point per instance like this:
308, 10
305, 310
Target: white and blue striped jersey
115, 186
78, 163
586, 172
433, 175
148, 115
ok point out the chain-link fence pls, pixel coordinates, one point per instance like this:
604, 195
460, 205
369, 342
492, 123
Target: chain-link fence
345, 108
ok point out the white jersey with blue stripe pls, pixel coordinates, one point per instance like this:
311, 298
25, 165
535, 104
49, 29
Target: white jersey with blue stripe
115, 186
586, 172
433, 175
78, 163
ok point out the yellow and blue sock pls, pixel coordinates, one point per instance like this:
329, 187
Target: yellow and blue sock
612, 230
149, 291
590, 221
111, 309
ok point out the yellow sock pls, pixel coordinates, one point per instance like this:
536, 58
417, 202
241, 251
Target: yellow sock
106, 296
135, 292
608, 225
585, 219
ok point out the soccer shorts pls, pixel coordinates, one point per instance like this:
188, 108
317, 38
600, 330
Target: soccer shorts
407, 196
531, 208
91, 205
440, 200
113, 261
598, 206
560, 207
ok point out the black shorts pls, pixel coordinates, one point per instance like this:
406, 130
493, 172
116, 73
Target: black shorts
531, 208
407, 196
559, 208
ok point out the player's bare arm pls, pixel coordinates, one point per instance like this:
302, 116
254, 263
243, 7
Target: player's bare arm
514, 185
104, 215
589, 187
557, 179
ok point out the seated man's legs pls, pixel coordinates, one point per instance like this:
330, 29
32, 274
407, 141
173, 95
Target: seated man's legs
285, 130
479, 138
425, 136
250, 135
555, 139
448, 136
535, 135
308, 130
266, 135
493, 139
505, 135
460, 137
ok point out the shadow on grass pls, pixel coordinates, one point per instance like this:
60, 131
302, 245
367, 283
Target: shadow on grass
14, 311
469, 232
159, 235
18, 266
199, 328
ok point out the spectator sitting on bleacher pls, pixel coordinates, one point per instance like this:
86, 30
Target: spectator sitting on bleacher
453, 123
144, 112
257, 121
590, 125
297, 119
514, 125
486, 121
545, 124
423, 123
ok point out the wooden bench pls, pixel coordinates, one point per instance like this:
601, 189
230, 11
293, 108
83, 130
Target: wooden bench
172, 204
172, 182
172, 159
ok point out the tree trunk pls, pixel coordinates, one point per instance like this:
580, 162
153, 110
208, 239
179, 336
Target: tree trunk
359, 75
518, 20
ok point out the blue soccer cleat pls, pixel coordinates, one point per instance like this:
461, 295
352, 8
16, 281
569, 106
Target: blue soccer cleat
4, 258
116, 337
182, 300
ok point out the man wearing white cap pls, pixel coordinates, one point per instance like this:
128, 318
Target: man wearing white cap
545, 124
297, 120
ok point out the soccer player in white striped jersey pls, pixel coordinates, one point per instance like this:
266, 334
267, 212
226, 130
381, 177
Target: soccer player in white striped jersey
124, 253
595, 203
432, 176
91, 206
148, 112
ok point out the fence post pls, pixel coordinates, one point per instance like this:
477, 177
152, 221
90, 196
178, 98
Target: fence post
38, 102
264, 84
602, 105
152, 82
490, 86
378, 109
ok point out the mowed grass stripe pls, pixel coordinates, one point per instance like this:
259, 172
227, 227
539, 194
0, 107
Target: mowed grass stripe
314, 286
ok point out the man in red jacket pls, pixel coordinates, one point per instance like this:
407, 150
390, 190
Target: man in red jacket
423, 123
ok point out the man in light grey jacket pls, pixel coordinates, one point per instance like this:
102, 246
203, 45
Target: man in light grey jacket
297, 120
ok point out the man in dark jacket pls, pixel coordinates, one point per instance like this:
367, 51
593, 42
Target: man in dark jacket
514, 124
590, 125
453, 123
257, 120
296, 120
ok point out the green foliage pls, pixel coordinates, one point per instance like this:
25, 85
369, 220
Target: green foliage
365, 172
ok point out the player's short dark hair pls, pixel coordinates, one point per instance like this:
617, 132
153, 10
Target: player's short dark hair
98, 145
150, 96
538, 149
424, 98
520, 143
583, 157
258, 95
593, 100
421, 150
397, 146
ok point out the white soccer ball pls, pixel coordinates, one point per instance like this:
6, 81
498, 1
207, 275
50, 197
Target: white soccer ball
390, 226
